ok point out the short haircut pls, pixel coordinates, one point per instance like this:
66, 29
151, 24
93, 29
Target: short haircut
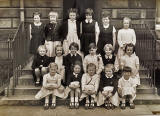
76, 63
111, 66
109, 46
129, 45
74, 10
37, 13
53, 13
105, 14
57, 47
52, 64
41, 47
127, 18
74, 45
89, 11
92, 45
127, 69
90, 65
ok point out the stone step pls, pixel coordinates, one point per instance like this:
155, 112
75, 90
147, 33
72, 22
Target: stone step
26, 80
29, 100
143, 89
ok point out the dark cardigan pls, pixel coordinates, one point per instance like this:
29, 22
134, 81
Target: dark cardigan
72, 78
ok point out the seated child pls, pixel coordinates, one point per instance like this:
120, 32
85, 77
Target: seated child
108, 87
90, 84
51, 86
127, 88
74, 83
40, 65
59, 59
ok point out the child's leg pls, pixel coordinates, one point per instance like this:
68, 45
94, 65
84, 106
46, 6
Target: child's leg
92, 103
46, 105
123, 106
76, 96
53, 105
43, 71
37, 73
72, 96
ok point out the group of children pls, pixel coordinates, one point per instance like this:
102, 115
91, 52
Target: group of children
77, 59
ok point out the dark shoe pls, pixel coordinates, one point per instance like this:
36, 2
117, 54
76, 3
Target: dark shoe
92, 106
46, 106
132, 106
71, 105
112, 106
37, 83
106, 105
123, 106
86, 106
76, 105
53, 106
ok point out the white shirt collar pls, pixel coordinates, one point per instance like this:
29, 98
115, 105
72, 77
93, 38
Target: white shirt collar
106, 26
109, 57
76, 75
72, 21
73, 54
109, 77
88, 21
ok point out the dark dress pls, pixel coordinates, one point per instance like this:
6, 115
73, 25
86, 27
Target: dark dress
104, 81
105, 37
88, 36
69, 63
73, 78
37, 39
108, 60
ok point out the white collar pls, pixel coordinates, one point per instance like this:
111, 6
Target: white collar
108, 77
73, 54
37, 24
76, 75
90, 21
126, 80
106, 26
109, 57
69, 20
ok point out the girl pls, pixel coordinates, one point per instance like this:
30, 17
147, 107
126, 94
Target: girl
70, 30
89, 31
40, 64
51, 86
90, 84
109, 57
36, 33
74, 83
108, 87
52, 34
71, 58
125, 36
93, 58
59, 59
127, 88
131, 60
107, 34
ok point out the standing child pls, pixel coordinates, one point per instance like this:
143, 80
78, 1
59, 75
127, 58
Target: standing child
125, 36
92, 57
40, 64
89, 31
74, 83
71, 58
59, 59
52, 34
108, 87
90, 84
70, 30
127, 88
131, 60
36, 33
51, 86
107, 34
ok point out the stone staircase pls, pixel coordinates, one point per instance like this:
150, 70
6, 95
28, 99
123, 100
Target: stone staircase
25, 91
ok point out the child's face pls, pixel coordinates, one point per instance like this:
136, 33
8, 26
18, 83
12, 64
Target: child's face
77, 69
108, 71
129, 51
126, 24
92, 51
105, 20
53, 18
53, 70
88, 17
91, 70
72, 16
126, 75
36, 18
42, 52
108, 51
73, 50
59, 51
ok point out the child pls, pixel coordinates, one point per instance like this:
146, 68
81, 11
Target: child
52, 34
51, 86
109, 57
107, 34
90, 84
108, 87
59, 59
127, 88
71, 58
36, 33
89, 31
131, 60
70, 30
125, 36
92, 57
40, 64
74, 83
